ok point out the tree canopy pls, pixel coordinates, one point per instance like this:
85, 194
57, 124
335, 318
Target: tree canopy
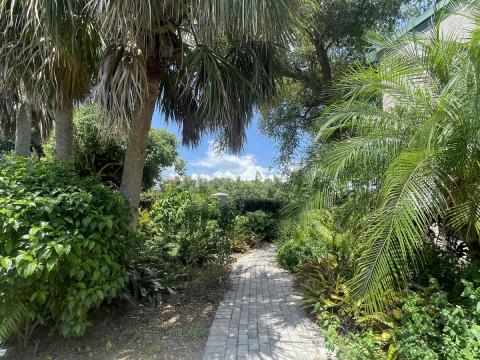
329, 39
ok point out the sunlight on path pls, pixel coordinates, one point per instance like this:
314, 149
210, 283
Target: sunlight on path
261, 318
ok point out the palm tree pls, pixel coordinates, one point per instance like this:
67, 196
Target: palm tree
23, 128
405, 166
53, 49
205, 63
20, 115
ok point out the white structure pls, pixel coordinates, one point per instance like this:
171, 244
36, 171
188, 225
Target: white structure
220, 196
453, 25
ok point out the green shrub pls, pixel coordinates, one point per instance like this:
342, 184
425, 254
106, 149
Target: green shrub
258, 224
433, 319
62, 247
426, 325
433, 328
310, 238
187, 229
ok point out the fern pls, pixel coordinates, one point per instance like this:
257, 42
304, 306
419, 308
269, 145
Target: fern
11, 317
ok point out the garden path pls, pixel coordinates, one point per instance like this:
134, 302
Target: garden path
260, 317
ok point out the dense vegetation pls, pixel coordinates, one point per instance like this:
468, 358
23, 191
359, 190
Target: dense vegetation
380, 220
390, 265
100, 153
63, 247
331, 36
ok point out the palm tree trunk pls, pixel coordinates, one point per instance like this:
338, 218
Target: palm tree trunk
64, 130
23, 130
135, 155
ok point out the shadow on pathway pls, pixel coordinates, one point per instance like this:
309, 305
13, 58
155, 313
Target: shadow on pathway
261, 318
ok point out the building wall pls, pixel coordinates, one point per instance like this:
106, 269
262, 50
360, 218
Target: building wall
456, 27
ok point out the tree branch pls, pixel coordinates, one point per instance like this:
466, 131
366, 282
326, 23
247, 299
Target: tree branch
301, 76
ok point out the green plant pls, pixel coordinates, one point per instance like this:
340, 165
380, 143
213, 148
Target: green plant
331, 38
255, 227
63, 246
424, 322
431, 327
187, 229
323, 285
306, 238
403, 148
147, 284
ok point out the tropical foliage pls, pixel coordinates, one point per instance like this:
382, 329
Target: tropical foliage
433, 319
331, 35
380, 223
393, 161
63, 247
206, 65
400, 152
187, 228
305, 239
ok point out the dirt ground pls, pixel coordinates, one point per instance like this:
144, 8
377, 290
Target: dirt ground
177, 329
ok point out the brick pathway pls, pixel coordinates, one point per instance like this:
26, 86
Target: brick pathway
261, 318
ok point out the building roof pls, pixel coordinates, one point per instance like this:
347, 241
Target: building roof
418, 24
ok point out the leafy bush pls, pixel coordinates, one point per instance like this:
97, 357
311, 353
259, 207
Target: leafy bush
305, 240
425, 325
438, 317
253, 228
62, 247
261, 195
189, 229
323, 284
146, 284
431, 327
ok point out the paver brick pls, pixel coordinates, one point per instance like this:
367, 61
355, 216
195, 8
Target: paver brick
261, 317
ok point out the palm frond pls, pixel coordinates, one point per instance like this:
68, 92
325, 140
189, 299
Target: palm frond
415, 191
401, 151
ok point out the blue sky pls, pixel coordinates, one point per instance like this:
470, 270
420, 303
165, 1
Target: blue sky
257, 156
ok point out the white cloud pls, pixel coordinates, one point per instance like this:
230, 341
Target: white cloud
215, 165
169, 172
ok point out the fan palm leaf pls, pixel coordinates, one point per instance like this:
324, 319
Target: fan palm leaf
204, 64
52, 47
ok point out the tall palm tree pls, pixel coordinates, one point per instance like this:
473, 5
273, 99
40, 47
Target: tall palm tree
405, 166
205, 63
20, 115
53, 48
